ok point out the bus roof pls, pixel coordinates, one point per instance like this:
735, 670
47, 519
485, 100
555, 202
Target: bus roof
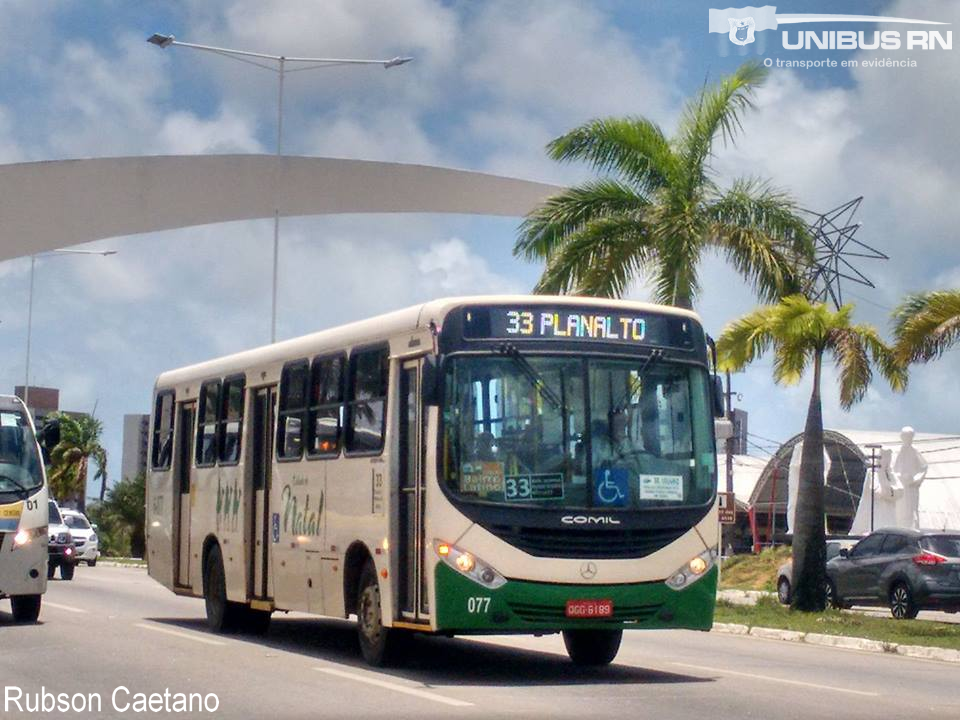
382, 327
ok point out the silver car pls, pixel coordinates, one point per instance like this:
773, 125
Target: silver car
785, 573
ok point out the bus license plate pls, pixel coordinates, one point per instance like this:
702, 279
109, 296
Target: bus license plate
589, 608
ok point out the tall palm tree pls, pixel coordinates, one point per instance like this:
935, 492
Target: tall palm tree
658, 207
926, 325
79, 441
800, 334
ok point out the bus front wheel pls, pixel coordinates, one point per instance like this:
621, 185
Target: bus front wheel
592, 647
377, 642
223, 616
26, 608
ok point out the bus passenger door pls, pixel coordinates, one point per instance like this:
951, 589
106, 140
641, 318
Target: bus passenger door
185, 431
413, 600
260, 531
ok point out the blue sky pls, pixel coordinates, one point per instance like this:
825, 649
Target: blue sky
492, 83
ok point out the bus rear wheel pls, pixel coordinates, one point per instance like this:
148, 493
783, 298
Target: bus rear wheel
592, 647
26, 608
223, 616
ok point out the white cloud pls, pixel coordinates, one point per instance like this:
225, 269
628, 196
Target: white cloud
183, 133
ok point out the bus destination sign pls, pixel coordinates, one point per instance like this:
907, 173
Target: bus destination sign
552, 323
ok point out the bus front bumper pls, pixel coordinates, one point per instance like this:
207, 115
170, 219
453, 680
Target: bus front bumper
519, 606
23, 571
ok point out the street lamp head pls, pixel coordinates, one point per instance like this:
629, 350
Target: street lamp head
396, 61
161, 40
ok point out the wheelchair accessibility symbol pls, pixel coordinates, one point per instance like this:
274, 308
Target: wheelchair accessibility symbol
611, 487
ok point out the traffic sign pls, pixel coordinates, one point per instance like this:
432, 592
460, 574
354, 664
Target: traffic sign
728, 508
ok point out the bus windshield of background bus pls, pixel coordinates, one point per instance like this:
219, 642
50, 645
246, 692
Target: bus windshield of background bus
20, 469
577, 433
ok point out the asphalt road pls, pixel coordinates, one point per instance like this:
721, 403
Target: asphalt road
114, 627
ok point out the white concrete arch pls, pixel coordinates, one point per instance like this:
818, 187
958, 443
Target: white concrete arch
55, 204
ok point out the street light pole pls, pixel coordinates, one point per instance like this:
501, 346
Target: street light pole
33, 267
302, 63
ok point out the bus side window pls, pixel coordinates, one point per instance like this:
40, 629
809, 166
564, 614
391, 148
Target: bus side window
293, 409
207, 423
369, 371
325, 422
162, 431
230, 420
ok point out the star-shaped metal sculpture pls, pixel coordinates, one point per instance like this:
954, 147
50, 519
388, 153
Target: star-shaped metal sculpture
833, 243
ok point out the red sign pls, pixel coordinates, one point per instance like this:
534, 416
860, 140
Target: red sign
589, 608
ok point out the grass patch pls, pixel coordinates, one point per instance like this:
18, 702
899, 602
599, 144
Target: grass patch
753, 572
771, 614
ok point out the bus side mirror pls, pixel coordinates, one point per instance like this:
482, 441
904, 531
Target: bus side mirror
48, 437
431, 381
718, 395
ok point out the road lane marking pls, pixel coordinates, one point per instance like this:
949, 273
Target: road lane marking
177, 633
47, 603
769, 678
416, 692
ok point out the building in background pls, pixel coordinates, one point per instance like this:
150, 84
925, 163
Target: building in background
41, 401
133, 461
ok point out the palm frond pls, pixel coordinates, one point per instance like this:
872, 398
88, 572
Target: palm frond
634, 148
746, 339
549, 226
926, 325
853, 363
884, 357
763, 237
600, 259
716, 110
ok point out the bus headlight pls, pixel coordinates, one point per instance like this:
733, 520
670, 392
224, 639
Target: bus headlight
692, 571
467, 564
24, 537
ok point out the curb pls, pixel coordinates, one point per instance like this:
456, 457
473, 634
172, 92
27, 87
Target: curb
108, 563
842, 641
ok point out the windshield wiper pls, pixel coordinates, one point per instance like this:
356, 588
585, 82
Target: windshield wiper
533, 376
13, 481
652, 359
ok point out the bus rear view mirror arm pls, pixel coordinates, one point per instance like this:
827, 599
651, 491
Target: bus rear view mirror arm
431, 381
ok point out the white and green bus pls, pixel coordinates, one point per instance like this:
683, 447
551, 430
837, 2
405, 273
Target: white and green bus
23, 512
502, 464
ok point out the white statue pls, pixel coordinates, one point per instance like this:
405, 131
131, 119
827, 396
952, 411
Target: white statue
910, 469
882, 501
793, 481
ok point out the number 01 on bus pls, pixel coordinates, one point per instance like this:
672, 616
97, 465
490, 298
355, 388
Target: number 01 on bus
471, 465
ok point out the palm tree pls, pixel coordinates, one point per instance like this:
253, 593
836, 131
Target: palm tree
926, 325
79, 441
658, 207
801, 333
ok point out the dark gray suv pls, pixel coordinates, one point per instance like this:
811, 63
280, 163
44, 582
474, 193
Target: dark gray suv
906, 570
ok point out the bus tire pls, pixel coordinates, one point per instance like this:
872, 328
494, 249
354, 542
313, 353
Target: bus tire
26, 608
592, 647
376, 641
223, 616
67, 570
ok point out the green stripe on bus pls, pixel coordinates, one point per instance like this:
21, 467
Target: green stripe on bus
464, 607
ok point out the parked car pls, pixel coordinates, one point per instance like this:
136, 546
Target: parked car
905, 570
62, 552
785, 573
84, 536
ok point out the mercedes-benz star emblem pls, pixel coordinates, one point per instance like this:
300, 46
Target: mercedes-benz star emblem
588, 570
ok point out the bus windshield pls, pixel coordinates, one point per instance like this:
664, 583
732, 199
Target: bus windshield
21, 471
552, 431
